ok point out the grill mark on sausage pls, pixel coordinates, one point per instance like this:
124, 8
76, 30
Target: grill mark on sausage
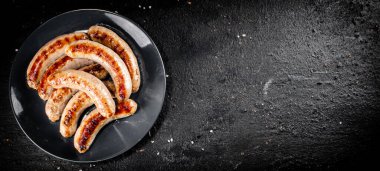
89, 130
59, 96
57, 65
61, 81
70, 113
103, 37
93, 122
58, 44
123, 107
121, 89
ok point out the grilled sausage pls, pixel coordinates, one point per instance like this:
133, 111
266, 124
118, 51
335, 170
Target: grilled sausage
91, 125
74, 109
57, 102
48, 54
59, 98
109, 60
110, 39
63, 63
87, 83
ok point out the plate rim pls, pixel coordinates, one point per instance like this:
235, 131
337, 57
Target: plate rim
22, 47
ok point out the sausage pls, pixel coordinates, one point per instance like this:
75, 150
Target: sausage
110, 39
74, 109
63, 63
59, 98
96, 70
57, 101
87, 83
94, 122
48, 54
109, 60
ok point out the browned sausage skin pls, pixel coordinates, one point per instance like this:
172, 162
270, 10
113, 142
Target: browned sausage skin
109, 60
63, 63
58, 99
91, 125
87, 83
74, 109
48, 54
110, 39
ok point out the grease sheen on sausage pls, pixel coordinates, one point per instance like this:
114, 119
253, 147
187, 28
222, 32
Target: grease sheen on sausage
74, 109
48, 54
110, 39
87, 83
63, 63
58, 99
94, 122
109, 60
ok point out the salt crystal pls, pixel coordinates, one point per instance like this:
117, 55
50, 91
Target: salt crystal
139, 6
243, 35
143, 8
152, 142
16, 50
58, 168
211, 131
150, 7
158, 153
192, 142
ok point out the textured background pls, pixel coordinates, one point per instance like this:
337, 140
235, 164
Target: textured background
252, 84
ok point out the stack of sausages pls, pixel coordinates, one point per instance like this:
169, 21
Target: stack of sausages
70, 72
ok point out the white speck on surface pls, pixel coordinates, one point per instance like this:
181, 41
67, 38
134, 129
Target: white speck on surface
158, 153
150, 7
171, 139
143, 8
16, 50
80, 169
266, 86
202, 149
192, 142
139, 6
243, 35
211, 131
116, 12
168, 141
340, 123
152, 142
167, 75
58, 168
238, 36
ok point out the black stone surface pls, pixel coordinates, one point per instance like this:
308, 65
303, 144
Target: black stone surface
251, 84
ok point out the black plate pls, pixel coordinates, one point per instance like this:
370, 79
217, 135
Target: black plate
118, 136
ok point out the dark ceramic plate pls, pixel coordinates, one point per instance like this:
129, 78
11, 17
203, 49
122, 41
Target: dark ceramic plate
118, 136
